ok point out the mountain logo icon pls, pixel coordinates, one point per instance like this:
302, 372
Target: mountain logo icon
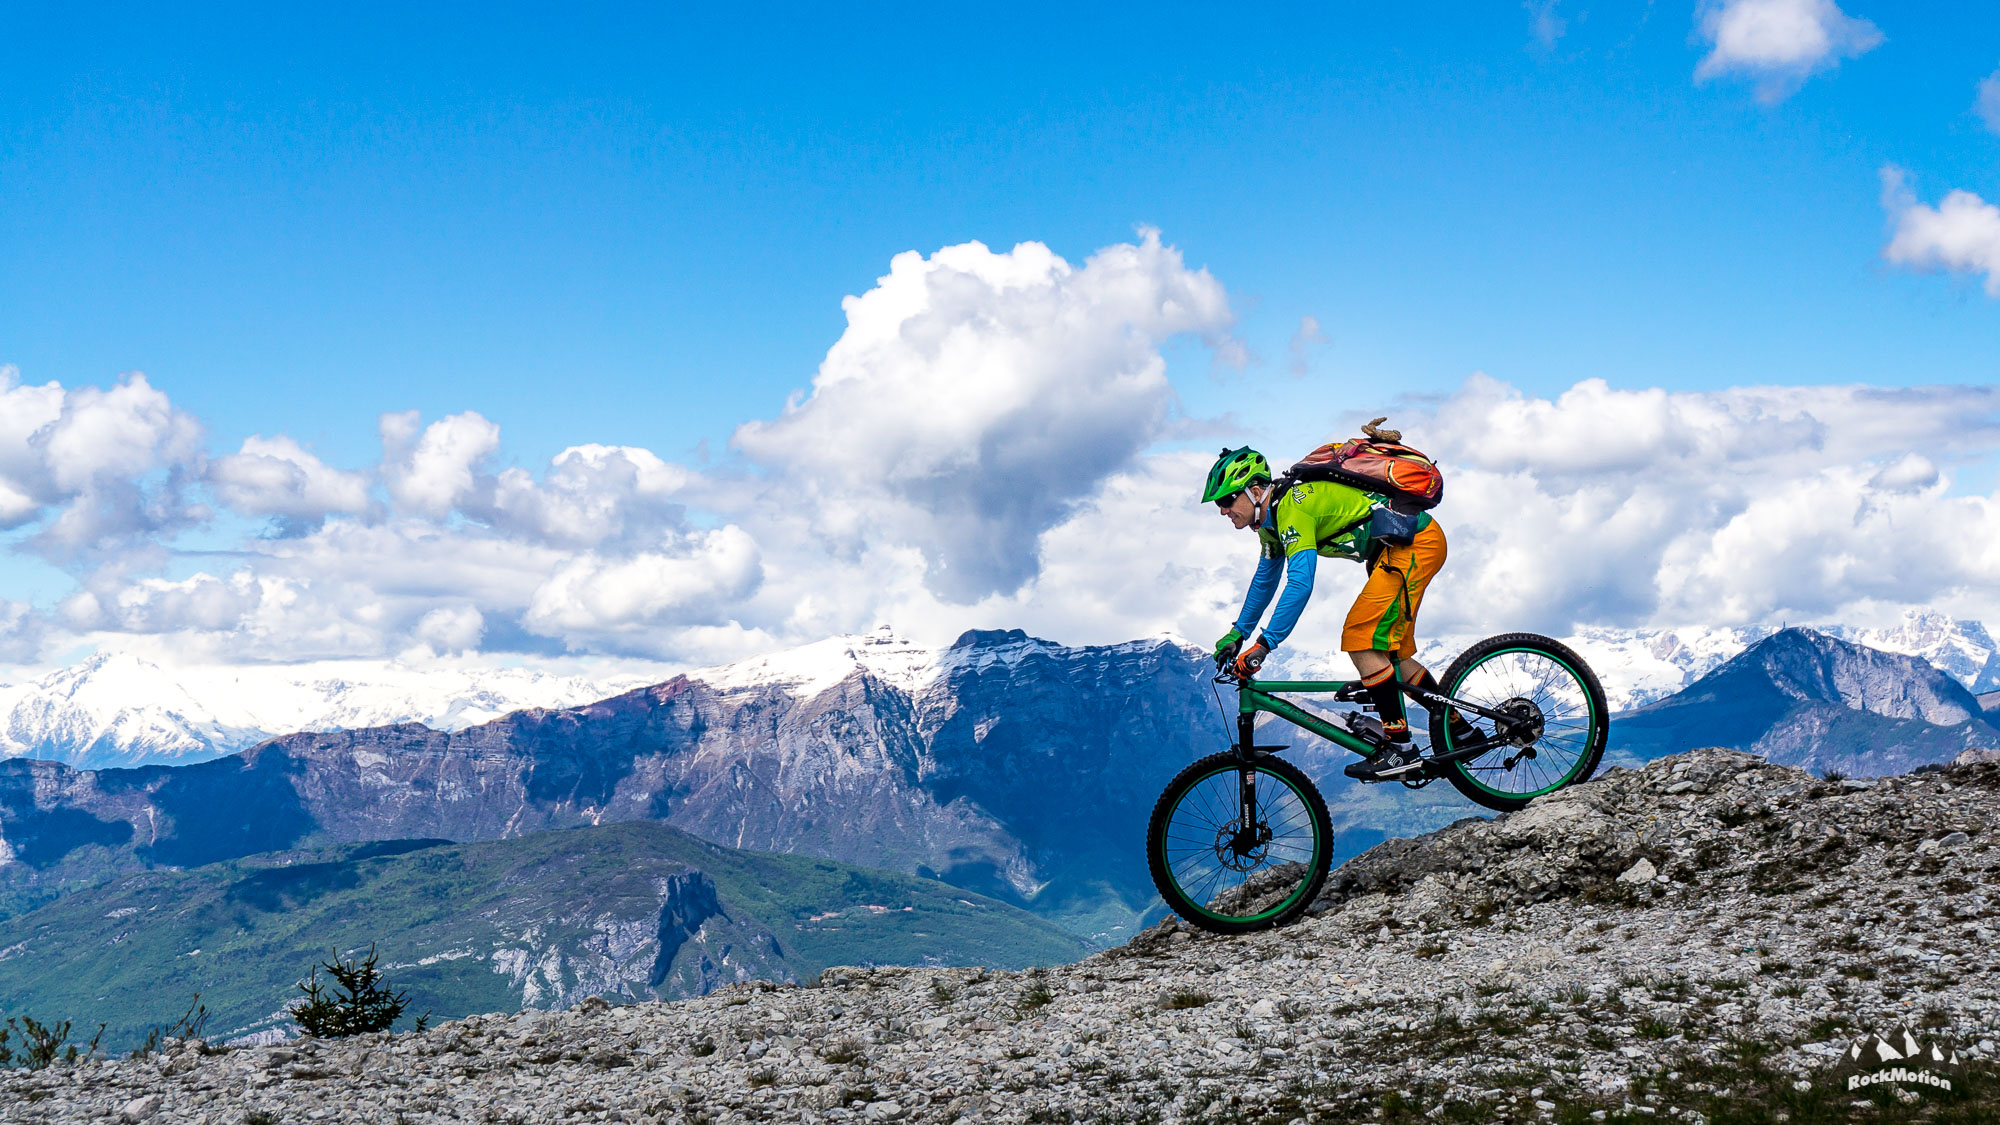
1901, 1045
1900, 1058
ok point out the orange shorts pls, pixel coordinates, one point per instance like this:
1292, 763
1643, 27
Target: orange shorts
1384, 616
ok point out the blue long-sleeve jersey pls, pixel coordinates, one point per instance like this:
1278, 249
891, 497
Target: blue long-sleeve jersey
1298, 571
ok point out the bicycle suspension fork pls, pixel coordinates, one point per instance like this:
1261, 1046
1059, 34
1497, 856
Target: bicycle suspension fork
1246, 781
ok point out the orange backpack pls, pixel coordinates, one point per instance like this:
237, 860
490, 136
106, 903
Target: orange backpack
1379, 464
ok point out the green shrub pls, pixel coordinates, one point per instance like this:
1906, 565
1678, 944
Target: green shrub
41, 1044
364, 1003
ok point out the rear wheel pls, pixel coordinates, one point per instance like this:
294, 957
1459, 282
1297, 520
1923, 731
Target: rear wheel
1556, 726
1227, 876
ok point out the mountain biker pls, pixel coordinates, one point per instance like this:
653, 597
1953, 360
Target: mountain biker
1402, 552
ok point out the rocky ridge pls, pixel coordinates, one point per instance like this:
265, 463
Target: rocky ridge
867, 753
1707, 932
1808, 699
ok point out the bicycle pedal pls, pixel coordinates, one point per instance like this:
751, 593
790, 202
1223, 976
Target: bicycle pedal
1368, 728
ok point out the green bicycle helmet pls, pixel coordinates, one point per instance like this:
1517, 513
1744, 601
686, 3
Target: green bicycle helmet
1234, 471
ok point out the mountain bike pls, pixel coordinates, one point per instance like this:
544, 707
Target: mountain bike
1241, 840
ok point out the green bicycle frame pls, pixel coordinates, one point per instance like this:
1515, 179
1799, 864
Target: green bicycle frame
1253, 696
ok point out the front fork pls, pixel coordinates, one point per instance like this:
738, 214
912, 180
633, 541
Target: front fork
1246, 783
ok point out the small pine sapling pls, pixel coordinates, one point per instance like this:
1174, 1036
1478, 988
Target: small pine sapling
364, 1002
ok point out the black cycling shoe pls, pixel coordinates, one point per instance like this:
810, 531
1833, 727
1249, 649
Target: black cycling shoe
1393, 764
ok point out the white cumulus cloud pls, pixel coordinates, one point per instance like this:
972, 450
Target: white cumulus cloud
451, 628
1961, 234
594, 599
452, 557
993, 443
429, 471
279, 477
1779, 42
1643, 506
590, 495
100, 467
976, 398
157, 605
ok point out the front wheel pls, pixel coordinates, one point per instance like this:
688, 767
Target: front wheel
1556, 721
1229, 873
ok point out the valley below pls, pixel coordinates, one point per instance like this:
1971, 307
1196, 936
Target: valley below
629, 911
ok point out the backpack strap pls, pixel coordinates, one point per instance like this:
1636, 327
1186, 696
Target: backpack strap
1280, 484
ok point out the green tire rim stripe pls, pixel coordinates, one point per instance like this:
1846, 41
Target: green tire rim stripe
1580, 758
1319, 851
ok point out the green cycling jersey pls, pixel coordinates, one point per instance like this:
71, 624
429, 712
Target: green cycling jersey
1324, 516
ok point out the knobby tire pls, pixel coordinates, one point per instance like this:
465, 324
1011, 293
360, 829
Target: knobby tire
1549, 671
1175, 861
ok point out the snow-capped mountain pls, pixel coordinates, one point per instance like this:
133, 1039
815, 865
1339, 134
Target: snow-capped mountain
117, 709
1641, 666
1002, 763
809, 670
1963, 650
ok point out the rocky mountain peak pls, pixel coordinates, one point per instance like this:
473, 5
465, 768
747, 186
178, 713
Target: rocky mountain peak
1807, 664
990, 638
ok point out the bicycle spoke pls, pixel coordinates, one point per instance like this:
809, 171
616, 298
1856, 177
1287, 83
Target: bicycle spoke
1213, 805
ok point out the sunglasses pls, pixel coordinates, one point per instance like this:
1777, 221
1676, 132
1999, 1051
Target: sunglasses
1227, 502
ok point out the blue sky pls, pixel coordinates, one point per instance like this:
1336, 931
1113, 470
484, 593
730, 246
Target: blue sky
283, 218
635, 226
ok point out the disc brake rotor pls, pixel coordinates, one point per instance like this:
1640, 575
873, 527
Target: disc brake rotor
1240, 854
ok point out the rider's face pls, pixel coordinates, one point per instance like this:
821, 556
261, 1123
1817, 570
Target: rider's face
1240, 509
